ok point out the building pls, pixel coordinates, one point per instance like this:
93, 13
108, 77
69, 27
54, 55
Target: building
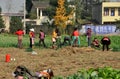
16, 8
11, 8
41, 16
106, 12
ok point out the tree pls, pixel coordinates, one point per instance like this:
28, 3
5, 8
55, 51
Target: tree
29, 5
61, 17
2, 25
15, 24
32, 15
83, 11
51, 12
52, 8
53, 3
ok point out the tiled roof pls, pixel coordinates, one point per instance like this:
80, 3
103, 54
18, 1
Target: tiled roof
12, 6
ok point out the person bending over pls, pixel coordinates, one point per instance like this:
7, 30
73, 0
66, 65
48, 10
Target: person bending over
105, 41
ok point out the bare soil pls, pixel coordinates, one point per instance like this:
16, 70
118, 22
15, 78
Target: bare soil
63, 62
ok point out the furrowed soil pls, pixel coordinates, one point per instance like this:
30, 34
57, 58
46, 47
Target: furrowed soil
63, 62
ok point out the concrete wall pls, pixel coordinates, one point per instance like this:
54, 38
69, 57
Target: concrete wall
6, 22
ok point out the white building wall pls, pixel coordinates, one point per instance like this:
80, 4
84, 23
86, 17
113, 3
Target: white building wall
6, 22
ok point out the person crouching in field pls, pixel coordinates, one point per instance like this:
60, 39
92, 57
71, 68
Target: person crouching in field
21, 72
41, 38
105, 41
67, 40
45, 74
20, 34
95, 43
32, 36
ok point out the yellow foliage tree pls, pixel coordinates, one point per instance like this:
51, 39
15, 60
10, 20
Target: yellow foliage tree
61, 18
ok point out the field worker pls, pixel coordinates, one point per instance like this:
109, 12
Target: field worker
20, 34
54, 36
75, 38
67, 40
41, 38
21, 72
58, 38
88, 34
96, 43
32, 36
45, 74
105, 41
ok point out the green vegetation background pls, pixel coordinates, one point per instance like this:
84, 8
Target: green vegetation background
8, 40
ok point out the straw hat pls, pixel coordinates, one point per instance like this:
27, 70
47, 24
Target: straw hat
32, 29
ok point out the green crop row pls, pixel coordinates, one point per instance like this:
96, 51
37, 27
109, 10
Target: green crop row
99, 73
7, 40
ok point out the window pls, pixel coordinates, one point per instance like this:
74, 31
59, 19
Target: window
118, 11
112, 12
106, 11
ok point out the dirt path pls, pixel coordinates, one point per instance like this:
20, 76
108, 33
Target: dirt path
63, 61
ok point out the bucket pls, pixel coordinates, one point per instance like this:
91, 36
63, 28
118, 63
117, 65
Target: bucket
7, 58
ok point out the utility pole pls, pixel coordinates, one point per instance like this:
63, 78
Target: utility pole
24, 25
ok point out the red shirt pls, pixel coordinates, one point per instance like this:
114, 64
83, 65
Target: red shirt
76, 33
31, 34
20, 32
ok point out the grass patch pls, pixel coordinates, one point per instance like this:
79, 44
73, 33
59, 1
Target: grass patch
8, 40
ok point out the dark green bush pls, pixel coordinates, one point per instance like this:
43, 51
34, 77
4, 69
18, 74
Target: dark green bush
15, 24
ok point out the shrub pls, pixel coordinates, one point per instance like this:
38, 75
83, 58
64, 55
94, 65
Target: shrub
15, 24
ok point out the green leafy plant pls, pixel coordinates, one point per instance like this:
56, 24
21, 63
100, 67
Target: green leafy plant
99, 73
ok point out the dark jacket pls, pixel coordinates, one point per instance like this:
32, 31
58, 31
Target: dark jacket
105, 41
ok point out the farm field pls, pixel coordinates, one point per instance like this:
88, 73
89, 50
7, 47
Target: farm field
64, 61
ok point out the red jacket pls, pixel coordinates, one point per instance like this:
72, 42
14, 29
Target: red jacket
20, 32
